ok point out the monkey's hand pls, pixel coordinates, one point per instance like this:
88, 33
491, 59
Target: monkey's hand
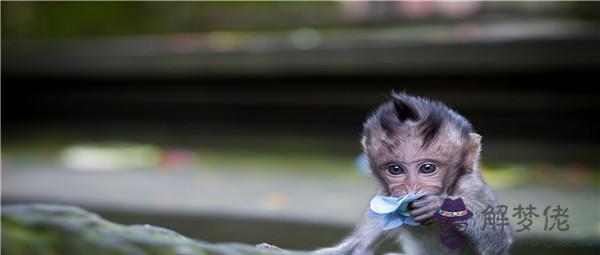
424, 209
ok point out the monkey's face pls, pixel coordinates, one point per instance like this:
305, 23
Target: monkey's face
403, 166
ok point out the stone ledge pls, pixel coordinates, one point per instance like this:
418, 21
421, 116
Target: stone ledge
66, 230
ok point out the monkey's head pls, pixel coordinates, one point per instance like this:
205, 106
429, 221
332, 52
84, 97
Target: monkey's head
418, 145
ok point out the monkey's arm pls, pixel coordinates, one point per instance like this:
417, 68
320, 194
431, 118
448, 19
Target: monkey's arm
477, 196
363, 241
365, 238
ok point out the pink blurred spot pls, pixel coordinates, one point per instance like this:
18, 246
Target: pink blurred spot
178, 158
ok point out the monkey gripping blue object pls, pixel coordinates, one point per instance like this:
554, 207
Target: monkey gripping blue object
394, 210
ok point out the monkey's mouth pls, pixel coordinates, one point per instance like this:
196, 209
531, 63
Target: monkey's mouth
401, 191
401, 194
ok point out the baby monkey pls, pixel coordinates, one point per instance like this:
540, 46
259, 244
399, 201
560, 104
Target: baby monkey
420, 146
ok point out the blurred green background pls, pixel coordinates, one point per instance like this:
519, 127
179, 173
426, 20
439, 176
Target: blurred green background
214, 118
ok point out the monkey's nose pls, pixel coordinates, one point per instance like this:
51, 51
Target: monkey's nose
415, 189
403, 190
400, 193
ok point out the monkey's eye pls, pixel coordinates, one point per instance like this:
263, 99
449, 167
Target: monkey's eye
427, 168
395, 170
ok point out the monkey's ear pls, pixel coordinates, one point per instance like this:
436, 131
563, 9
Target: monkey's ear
473, 150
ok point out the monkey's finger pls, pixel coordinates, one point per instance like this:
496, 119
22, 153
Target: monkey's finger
423, 214
423, 217
422, 210
429, 221
418, 203
412, 206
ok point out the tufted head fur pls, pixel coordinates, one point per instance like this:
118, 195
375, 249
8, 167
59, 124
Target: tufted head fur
408, 128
